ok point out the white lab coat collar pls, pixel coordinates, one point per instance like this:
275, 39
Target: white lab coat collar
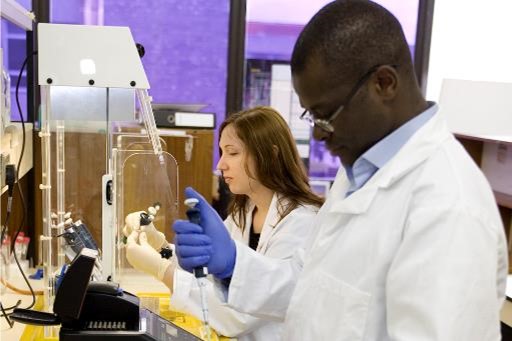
420, 146
269, 226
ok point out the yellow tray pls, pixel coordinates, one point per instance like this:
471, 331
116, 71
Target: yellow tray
159, 303
156, 302
36, 333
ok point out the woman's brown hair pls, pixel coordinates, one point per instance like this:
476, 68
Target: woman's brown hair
268, 140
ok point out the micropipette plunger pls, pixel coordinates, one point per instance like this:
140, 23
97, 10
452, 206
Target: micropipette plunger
200, 273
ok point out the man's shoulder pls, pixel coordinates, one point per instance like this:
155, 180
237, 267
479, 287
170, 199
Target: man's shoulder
450, 175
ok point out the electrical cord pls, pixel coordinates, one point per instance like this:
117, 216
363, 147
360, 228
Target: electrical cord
22, 200
18, 290
10, 181
4, 314
7, 285
22, 149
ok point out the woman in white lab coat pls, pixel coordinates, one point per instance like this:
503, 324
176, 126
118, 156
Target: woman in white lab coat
271, 211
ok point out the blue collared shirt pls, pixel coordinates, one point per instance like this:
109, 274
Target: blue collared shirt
379, 154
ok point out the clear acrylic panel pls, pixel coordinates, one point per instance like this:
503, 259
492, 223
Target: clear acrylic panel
74, 159
142, 180
126, 141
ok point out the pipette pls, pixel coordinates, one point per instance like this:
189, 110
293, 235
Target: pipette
200, 273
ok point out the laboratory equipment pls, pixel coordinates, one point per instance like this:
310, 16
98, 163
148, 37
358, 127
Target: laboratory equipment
200, 273
182, 116
91, 79
100, 310
145, 220
77, 237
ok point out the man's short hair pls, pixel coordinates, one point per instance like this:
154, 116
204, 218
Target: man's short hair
349, 37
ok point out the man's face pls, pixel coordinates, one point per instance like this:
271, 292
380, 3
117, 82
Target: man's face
363, 121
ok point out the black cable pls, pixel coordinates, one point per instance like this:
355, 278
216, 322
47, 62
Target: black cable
18, 303
10, 181
4, 314
22, 199
22, 149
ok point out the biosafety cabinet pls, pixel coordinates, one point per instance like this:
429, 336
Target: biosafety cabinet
98, 165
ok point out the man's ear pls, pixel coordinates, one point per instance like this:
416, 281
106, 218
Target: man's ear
386, 82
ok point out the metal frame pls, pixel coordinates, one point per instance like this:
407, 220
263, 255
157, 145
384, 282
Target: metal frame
236, 56
41, 9
236, 50
423, 38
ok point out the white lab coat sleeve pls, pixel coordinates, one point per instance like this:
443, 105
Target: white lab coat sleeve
225, 320
262, 285
446, 281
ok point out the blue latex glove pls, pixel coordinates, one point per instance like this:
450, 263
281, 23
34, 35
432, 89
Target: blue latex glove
209, 244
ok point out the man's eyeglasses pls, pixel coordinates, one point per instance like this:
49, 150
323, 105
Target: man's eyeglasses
326, 123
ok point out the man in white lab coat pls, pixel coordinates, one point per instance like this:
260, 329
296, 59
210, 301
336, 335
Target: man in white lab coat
409, 244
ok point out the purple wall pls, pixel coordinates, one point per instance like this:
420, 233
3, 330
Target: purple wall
271, 41
13, 42
186, 44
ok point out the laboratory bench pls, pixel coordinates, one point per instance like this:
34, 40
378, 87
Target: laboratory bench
135, 282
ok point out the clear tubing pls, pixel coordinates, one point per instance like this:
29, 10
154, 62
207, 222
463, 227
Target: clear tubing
149, 122
61, 177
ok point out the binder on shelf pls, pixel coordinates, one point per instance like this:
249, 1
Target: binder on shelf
183, 116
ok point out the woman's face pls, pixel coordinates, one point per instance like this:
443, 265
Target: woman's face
232, 163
